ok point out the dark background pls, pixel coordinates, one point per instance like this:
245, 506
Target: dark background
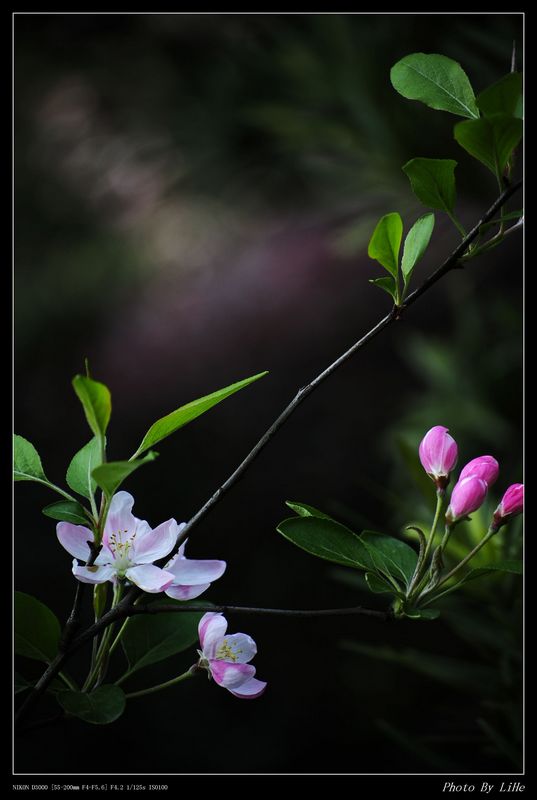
194, 196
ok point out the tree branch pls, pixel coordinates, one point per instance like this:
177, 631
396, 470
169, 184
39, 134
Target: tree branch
450, 263
161, 608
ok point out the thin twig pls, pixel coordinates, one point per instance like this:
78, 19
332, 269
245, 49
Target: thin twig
160, 608
450, 263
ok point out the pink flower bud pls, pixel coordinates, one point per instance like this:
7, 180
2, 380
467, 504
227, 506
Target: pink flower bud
467, 495
438, 455
511, 503
484, 467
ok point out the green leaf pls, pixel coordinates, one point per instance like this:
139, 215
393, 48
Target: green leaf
153, 637
26, 462
385, 243
111, 475
96, 402
67, 510
491, 139
388, 284
502, 97
79, 471
515, 567
172, 422
327, 539
437, 81
378, 584
416, 244
100, 707
304, 510
433, 181
37, 630
423, 613
390, 555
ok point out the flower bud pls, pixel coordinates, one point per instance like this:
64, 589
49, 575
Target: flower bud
484, 467
438, 455
467, 496
511, 503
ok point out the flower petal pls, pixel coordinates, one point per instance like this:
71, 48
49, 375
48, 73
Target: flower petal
186, 592
189, 571
238, 648
150, 545
92, 574
120, 516
230, 676
149, 578
250, 690
212, 627
75, 539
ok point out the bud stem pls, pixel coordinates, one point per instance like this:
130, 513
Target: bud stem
422, 561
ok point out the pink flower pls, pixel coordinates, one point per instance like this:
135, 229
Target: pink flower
467, 496
511, 503
484, 467
190, 577
226, 657
129, 547
438, 454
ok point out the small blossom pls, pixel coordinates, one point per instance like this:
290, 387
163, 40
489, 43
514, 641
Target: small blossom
226, 657
512, 503
467, 496
191, 577
438, 455
484, 467
129, 547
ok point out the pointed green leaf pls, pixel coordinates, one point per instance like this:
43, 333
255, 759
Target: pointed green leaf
388, 284
437, 81
68, 511
378, 584
100, 707
96, 402
385, 243
153, 637
390, 556
167, 425
327, 539
26, 462
111, 475
491, 139
416, 244
502, 97
433, 181
37, 630
304, 510
79, 471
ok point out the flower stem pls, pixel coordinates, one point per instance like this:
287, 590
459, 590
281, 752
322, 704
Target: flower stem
188, 674
490, 533
68, 682
101, 658
421, 566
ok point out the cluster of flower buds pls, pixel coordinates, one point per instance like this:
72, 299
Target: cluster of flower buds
438, 454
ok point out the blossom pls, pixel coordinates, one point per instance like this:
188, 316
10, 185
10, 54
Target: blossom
129, 547
511, 503
226, 657
467, 496
438, 454
191, 577
484, 467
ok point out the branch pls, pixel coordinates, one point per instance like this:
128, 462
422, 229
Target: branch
450, 263
280, 612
